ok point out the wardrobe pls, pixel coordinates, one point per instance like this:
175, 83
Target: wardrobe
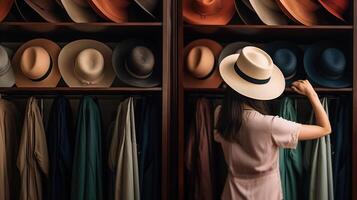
257, 34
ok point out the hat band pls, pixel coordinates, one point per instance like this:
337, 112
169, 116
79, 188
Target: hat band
45, 75
85, 81
248, 78
135, 75
291, 76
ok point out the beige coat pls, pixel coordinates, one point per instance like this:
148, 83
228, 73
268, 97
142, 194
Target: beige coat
9, 177
123, 153
32, 160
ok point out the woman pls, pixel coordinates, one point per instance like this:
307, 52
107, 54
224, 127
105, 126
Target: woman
250, 138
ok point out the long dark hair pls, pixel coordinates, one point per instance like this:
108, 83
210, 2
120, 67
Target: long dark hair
231, 115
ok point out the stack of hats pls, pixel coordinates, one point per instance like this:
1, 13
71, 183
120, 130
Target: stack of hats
269, 12
81, 63
324, 63
79, 11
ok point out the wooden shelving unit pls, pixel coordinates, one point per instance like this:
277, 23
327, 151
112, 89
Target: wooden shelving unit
257, 34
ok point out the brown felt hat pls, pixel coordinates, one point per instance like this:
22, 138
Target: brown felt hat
115, 11
49, 10
217, 12
5, 7
307, 12
200, 69
35, 64
79, 11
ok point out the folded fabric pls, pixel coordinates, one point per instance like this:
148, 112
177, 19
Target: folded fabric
290, 160
123, 153
32, 160
318, 164
87, 172
60, 141
9, 139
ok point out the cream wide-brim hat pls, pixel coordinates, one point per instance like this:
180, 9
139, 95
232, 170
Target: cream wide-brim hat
77, 13
270, 90
268, 14
67, 60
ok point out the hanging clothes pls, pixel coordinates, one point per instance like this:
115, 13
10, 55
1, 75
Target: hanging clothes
317, 161
123, 153
290, 160
32, 160
9, 143
149, 150
109, 173
341, 140
199, 155
87, 171
60, 139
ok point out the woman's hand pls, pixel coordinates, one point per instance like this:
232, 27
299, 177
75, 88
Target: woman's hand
303, 87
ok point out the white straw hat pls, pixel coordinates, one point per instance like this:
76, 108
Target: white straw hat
253, 74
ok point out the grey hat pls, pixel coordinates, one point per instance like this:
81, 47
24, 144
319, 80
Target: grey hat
7, 77
136, 63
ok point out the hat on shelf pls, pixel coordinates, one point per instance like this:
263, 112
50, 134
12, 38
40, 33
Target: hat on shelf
5, 8
232, 48
148, 6
269, 12
79, 11
253, 74
307, 12
49, 10
336, 7
137, 63
116, 11
201, 68
325, 64
86, 63
35, 64
7, 77
288, 57
215, 12
246, 12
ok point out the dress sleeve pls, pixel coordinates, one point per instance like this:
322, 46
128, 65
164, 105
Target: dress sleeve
284, 132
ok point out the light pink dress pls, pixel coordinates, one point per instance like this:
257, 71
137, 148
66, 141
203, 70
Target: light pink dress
253, 167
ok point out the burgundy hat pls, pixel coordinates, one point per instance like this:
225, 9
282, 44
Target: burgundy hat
336, 7
5, 8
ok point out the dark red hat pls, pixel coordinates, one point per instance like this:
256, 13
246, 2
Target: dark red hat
336, 7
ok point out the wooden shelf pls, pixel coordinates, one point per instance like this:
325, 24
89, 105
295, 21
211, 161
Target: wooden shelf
287, 90
105, 31
264, 32
68, 90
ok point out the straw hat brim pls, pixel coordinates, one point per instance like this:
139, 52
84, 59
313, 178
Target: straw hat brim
268, 15
220, 18
67, 57
5, 8
120, 54
311, 56
54, 76
77, 13
271, 90
214, 80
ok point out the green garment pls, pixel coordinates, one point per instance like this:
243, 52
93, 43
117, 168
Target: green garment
290, 160
87, 162
123, 158
317, 161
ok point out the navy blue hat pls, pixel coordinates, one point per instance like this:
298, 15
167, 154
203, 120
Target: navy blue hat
325, 64
288, 57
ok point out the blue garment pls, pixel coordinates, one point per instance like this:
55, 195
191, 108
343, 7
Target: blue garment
87, 171
341, 148
149, 150
60, 149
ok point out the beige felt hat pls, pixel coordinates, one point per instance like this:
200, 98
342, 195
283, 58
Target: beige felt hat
35, 64
201, 68
253, 74
269, 12
86, 63
79, 11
